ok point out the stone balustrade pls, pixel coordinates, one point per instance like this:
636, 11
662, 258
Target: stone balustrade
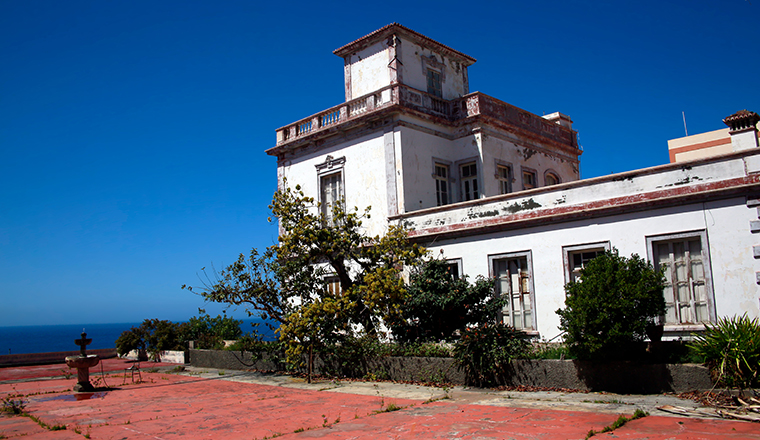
468, 106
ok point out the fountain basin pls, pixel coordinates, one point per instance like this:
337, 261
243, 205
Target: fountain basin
80, 361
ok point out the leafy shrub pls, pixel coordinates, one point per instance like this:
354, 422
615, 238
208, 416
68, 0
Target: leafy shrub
548, 351
417, 349
610, 308
484, 353
731, 348
349, 357
436, 305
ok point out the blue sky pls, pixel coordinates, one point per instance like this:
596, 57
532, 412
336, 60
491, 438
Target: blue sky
133, 133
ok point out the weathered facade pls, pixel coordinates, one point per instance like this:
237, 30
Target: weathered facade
495, 188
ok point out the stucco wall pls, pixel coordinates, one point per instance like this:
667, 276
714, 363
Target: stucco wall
369, 69
725, 222
415, 60
364, 176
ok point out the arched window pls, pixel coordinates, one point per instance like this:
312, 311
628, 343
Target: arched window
551, 178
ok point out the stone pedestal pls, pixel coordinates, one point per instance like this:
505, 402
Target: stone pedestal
83, 364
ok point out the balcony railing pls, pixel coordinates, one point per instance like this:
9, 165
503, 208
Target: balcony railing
467, 106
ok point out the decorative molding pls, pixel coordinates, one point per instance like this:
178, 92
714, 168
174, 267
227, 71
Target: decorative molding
329, 164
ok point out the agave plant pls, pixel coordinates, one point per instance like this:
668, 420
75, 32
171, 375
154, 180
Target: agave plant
732, 349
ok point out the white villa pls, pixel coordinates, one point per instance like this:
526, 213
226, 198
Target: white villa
496, 189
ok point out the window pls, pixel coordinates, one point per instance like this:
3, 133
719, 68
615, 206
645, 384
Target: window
514, 280
330, 191
441, 184
688, 291
577, 257
333, 285
434, 83
504, 177
330, 174
551, 179
468, 174
454, 267
529, 179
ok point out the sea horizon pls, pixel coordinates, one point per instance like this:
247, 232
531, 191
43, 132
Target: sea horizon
50, 338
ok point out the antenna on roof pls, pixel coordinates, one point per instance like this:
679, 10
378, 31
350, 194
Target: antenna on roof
684, 123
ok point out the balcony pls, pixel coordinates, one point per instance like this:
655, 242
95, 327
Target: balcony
451, 112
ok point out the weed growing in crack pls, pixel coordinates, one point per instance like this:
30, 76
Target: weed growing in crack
622, 420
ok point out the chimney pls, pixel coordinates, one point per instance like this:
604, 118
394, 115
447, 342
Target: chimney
742, 129
560, 119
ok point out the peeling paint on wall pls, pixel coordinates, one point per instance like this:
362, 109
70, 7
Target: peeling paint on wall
524, 206
528, 153
475, 214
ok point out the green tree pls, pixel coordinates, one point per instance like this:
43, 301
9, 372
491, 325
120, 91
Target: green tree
436, 305
611, 306
209, 332
288, 281
153, 335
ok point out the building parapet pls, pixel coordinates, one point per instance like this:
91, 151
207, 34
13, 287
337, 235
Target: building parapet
405, 98
730, 175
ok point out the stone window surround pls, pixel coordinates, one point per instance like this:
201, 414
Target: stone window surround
458, 263
458, 166
568, 251
523, 171
553, 173
328, 167
702, 234
500, 163
528, 254
451, 180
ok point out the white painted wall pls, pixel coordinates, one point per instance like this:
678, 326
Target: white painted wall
363, 176
369, 70
726, 223
415, 60
520, 154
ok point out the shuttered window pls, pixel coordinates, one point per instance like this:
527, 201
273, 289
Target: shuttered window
513, 280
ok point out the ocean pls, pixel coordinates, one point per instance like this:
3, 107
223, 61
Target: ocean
51, 338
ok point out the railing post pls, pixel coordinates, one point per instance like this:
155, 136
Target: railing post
292, 131
473, 105
315, 123
343, 112
370, 103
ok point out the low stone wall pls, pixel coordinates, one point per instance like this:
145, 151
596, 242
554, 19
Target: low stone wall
231, 360
169, 356
56, 357
617, 377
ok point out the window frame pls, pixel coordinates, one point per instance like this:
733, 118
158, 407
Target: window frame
448, 180
651, 240
568, 251
332, 281
478, 192
455, 262
330, 167
532, 172
501, 181
553, 173
528, 255
430, 76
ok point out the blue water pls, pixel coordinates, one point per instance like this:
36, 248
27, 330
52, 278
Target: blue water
50, 338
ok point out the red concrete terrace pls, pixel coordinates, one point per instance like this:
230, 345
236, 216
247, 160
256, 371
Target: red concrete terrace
214, 404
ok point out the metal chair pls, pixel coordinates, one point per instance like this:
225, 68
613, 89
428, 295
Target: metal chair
134, 368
